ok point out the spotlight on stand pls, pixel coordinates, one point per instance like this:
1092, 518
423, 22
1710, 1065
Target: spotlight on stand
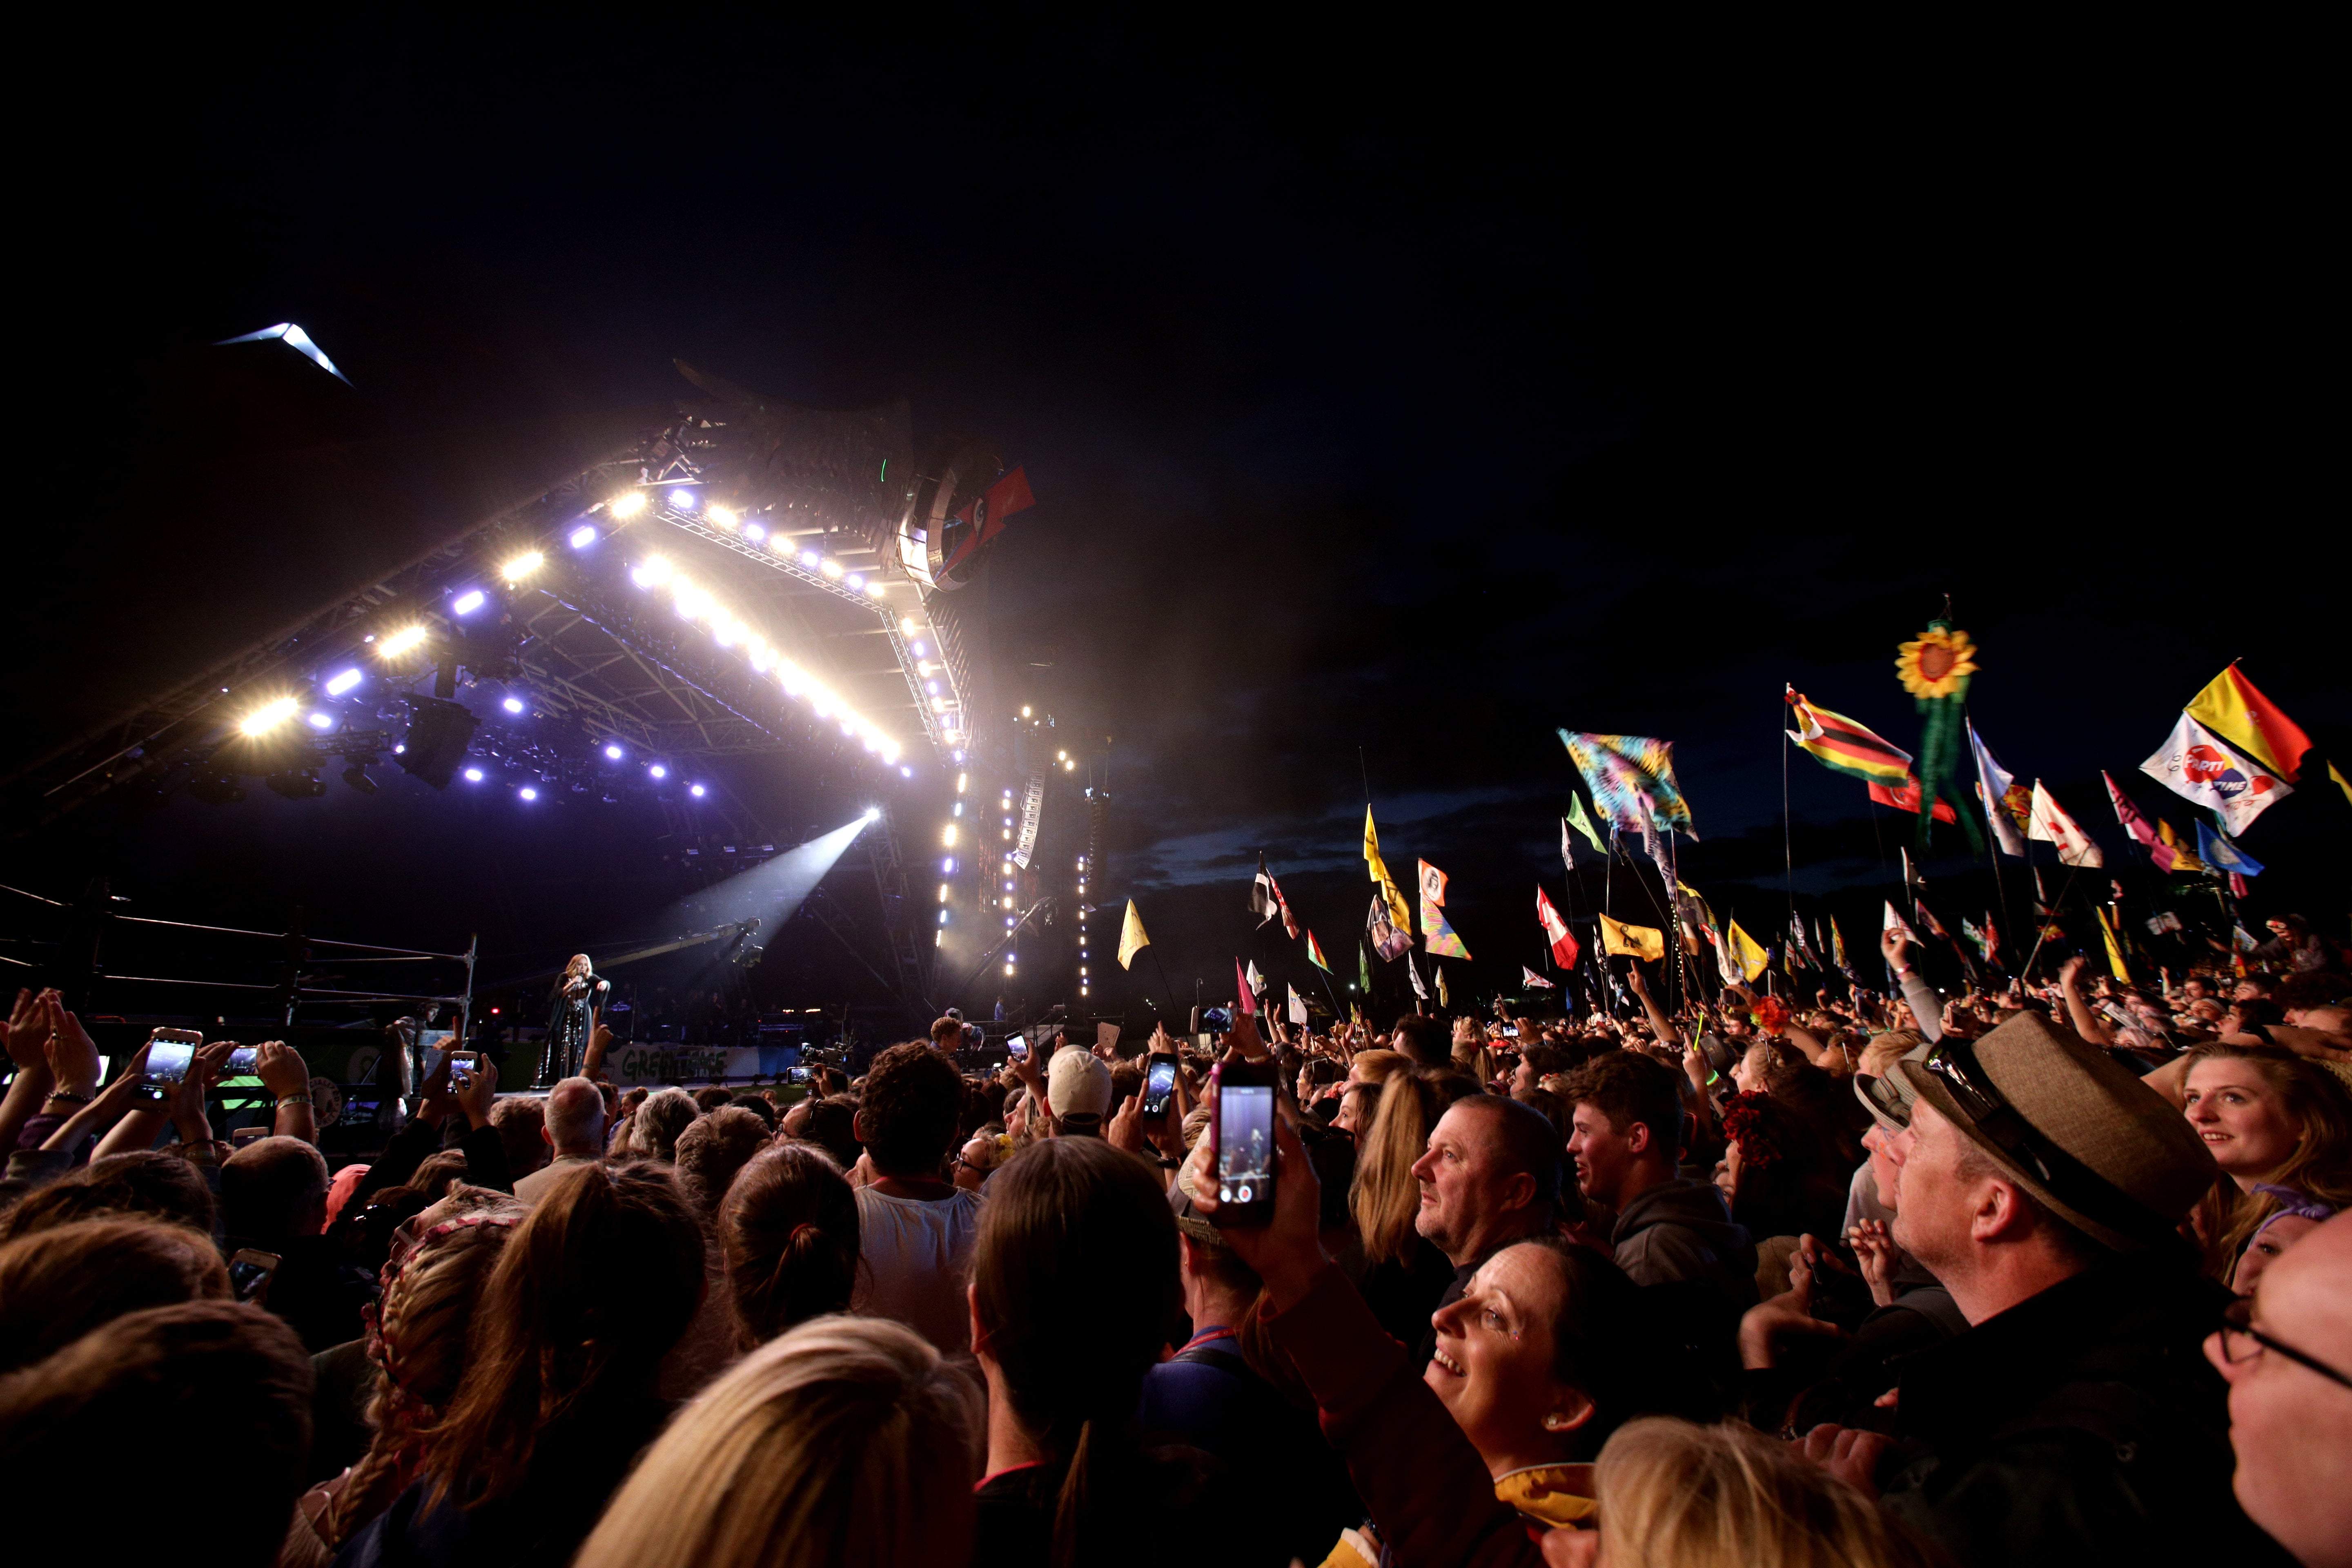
297, 786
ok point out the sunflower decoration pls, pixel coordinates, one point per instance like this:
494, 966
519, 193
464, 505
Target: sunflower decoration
1937, 663
1935, 668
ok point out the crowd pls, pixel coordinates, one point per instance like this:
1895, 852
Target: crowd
2043, 1273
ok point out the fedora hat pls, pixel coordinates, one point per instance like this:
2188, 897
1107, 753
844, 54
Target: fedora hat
2072, 1126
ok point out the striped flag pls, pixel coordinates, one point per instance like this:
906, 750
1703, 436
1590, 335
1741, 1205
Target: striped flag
1529, 979
1556, 932
1842, 745
1315, 953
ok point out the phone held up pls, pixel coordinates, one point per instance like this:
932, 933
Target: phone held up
170, 1053
1243, 1127
249, 1274
1159, 1085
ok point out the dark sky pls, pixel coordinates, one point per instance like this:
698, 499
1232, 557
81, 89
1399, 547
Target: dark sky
1416, 394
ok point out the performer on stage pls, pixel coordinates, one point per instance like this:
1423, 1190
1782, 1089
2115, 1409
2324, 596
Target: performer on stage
576, 1001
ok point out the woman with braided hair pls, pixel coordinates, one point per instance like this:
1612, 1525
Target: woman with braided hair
416, 1336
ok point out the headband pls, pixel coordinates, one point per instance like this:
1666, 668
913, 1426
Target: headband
2301, 1205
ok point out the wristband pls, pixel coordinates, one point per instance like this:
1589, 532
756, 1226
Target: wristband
286, 1100
69, 1097
1902, 975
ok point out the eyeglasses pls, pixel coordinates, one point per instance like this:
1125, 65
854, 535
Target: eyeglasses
2241, 1342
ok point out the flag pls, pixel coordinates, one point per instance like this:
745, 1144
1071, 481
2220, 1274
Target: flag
1996, 790
1842, 745
1315, 953
985, 518
1442, 999
1132, 940
1262, 901
1934, 927
2194, 765
1437, 936
1907, 798
1256, 981
1297, 1007
2341, 782
1556, 932
1896, 923
1567, 855
1619, 940
2184, 859
2138, 826
2051, 823
1415, 970
1529, 979
1241, 984
1363, 969
2115, 948
2233, 710
1976, 937
1837, 949
1619, 769
1915, 881
2217, 850
1387, 939
1433, 884
1751, 958
1991, 940
1582, 824
1400, 914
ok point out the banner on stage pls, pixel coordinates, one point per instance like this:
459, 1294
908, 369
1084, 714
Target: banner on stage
653, 1066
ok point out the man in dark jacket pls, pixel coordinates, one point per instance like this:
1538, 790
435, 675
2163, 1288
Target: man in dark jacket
1628, 1124
2076, 1421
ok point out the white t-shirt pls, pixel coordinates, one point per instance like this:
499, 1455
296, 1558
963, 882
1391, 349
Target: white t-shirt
918, 1255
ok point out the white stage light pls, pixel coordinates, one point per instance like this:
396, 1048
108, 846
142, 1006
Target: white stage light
628, 503
873, 813
401, 641
697, 792
583, 536
473, 775
615, 753
268, 716
528, 793
658, 771
723, 516
294, 338
466, 603
322, 720
512, 704
754, 533
523, 565
682, 499
343, 683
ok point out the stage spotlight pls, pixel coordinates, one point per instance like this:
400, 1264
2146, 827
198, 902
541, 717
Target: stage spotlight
919, 650
615, 753
873, 813
809, 559
473, 775
523, 565
322, 721
1069, 767
296, 786
723, 516
874, 590
528, 793
343, 683
651, 573
683, 499
856, 580
401, 641
947, 867
947, 839
357, 777
658, 771
628, 503
466, 603
754, 533
268, 716
905, 772
583, 536
512, 704
697, 792
829, 566
906, 625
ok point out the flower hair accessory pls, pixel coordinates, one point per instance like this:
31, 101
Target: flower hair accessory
1769, 1013
1745, 1123
2291, 1202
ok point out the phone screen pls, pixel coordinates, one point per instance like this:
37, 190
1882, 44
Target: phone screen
249, 1276
1017, 1048
1244, 1143
797, 1074
244, 1061
1159, 1087
168, 1061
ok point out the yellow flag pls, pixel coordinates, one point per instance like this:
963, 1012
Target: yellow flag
1131, 941
1753, 959
2184, 858
2341, 782
1400, 912
2115, 948
1619, 940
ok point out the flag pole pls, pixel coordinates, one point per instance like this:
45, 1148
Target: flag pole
1163, 975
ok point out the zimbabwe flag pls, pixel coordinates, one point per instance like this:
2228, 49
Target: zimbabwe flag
1315, 953
1839, 743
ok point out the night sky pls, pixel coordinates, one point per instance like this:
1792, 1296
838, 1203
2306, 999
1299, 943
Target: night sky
1403, 401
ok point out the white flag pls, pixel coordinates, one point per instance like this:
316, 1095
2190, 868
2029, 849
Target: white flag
1528, 977
1994, 783
2051, 824
2194, 765
1297, 1007
1567, 855
1415, 970
1256, 981
1896, 923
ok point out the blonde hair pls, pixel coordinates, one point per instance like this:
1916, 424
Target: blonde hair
848, 1443
1379, 1066
1383, 1197
1675, 1495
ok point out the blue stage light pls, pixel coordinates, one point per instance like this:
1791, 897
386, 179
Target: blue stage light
583, 536
528, 793
322, 720
697, 792
658, 771
615, 753
466, 603
682, 499
343, 683
512, 705
473, 775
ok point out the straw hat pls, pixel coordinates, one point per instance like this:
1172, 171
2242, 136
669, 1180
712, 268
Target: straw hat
2072, 1126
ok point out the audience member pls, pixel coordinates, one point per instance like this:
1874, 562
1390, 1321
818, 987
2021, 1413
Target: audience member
1667, 1229
665, 1113
274, 1200
789, 1232
917, 1230
711, 1151
1490, 1176
573, 1128
845, 1442
59, 1283
521, 1124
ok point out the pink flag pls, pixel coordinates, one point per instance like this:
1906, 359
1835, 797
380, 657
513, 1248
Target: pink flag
1241, 984
2137, 826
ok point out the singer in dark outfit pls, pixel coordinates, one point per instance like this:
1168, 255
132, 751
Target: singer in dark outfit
577, 999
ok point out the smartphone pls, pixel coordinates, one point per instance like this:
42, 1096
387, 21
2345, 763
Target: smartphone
1510, 1031
1159, 1085
243, 1062
170, 1053
1243, 1126
1215, 1021
249, 1274
796, 1075
1017, 1048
